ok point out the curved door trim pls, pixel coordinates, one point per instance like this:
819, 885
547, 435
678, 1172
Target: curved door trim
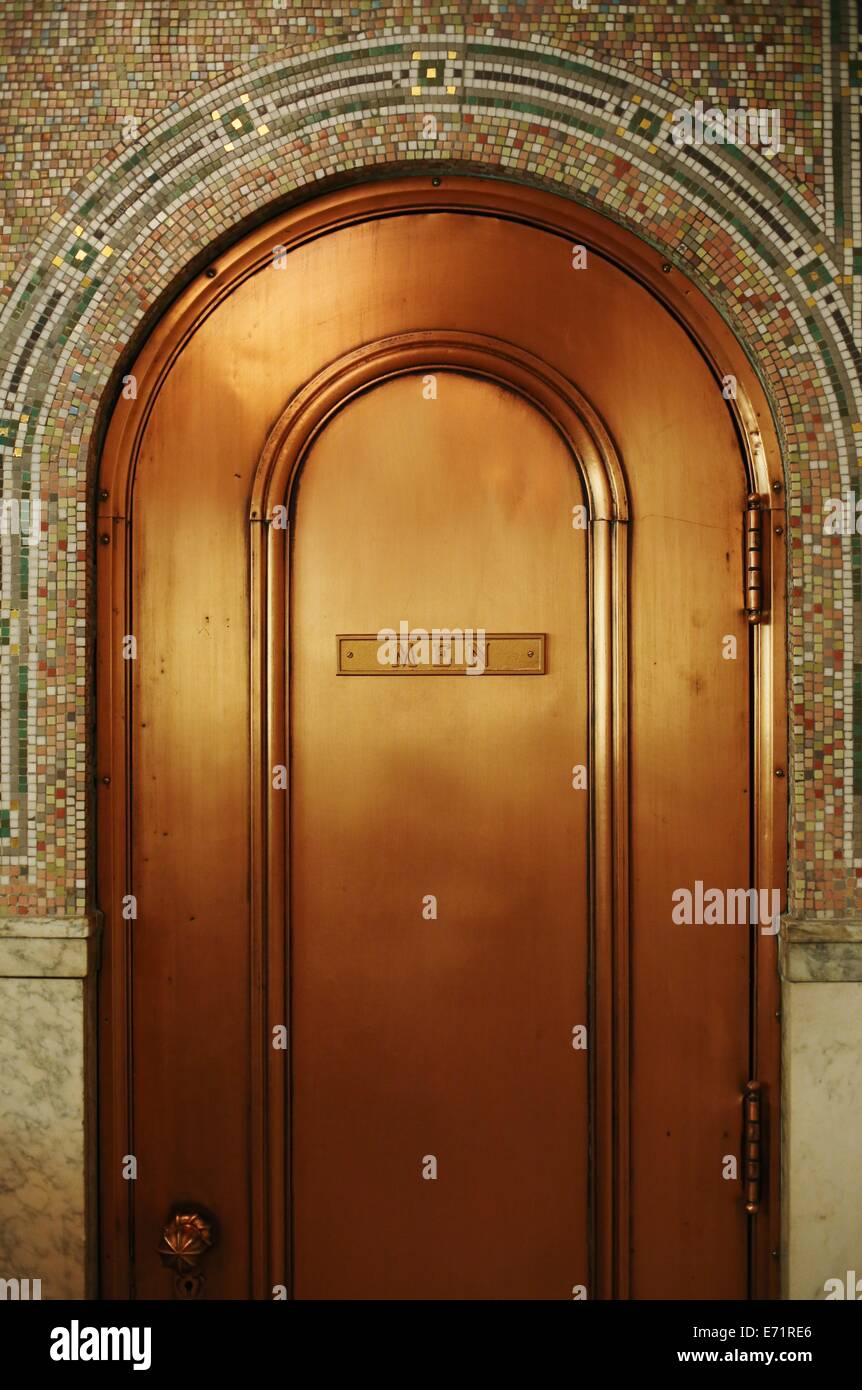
470, 353
604, 488
416, 194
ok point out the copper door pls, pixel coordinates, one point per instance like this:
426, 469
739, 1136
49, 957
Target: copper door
403, 420
445, 1037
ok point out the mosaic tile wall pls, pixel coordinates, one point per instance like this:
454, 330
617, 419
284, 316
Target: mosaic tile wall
136, 135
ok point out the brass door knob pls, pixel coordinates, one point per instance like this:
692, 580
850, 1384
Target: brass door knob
185, 1240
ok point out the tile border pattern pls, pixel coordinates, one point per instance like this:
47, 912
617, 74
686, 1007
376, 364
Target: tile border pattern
781, 260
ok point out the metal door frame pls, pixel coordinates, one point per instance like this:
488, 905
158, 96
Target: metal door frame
761, 457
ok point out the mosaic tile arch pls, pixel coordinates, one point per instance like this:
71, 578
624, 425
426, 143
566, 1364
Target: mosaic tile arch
586, 108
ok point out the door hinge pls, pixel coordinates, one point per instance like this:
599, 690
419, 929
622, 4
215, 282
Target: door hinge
752, 1147
753, 559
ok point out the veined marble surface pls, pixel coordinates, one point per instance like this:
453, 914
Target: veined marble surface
823, 962
64, 958
824, 949
47, 926
42, 1140
822, 1126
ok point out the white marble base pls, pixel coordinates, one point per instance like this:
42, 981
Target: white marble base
822, 1123
42, 1135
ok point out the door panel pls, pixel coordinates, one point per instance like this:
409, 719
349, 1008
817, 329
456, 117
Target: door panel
449, 1037
408, 1037
189, 861
690, 822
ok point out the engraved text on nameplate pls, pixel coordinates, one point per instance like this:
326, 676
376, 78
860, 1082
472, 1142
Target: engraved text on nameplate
442, 652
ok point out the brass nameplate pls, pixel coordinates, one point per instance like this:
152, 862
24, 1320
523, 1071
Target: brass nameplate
441, 652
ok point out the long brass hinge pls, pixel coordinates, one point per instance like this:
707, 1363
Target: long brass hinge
752, 1148
753, 559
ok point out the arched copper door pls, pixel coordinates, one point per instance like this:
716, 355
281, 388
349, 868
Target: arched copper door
444, 1037
374, 912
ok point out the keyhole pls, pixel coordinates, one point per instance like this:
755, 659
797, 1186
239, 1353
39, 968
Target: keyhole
188, 1285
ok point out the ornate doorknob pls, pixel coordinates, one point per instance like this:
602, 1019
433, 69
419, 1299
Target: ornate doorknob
185, 1240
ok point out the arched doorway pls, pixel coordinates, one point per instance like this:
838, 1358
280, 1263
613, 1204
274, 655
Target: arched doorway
349, 907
